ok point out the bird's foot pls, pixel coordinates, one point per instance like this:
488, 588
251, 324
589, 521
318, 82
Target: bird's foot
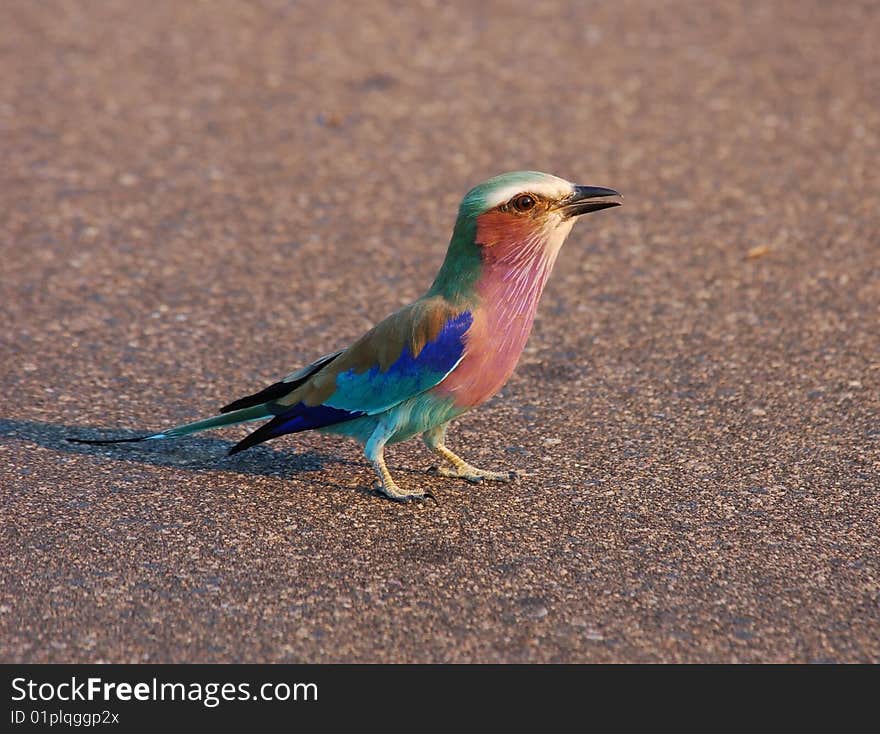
391, 491
472, 474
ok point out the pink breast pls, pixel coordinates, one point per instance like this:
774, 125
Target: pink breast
495, 341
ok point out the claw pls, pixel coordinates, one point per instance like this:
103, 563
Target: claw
473, 475
380, 491
403, 499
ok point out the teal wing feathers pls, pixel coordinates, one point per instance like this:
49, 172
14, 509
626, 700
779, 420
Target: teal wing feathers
405, 355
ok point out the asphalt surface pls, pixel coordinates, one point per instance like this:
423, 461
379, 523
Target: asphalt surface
195, 198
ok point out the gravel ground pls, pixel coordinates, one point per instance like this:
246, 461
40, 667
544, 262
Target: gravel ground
195, 198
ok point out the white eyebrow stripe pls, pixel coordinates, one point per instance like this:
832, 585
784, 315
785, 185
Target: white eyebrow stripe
550, 189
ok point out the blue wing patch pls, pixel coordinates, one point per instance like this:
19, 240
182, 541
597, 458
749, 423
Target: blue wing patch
375, 391
367, 393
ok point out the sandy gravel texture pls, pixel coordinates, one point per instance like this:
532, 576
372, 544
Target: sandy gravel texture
195, 198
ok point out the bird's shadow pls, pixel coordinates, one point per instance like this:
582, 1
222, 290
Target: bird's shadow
192, 454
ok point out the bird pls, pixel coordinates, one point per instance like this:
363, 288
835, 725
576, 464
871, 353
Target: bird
444, 354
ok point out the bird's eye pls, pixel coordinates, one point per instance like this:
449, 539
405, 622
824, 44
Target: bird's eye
524, 202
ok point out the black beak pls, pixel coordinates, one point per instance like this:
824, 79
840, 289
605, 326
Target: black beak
586, 199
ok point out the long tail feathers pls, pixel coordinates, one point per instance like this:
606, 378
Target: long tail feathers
102, 441
252, 413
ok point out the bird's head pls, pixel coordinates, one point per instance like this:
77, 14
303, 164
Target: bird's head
527, 213
512, 222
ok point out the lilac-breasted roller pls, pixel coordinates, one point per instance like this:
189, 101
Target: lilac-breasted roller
447, 352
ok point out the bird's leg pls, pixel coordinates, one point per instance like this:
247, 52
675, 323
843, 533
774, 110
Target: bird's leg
435, 439
375, 452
